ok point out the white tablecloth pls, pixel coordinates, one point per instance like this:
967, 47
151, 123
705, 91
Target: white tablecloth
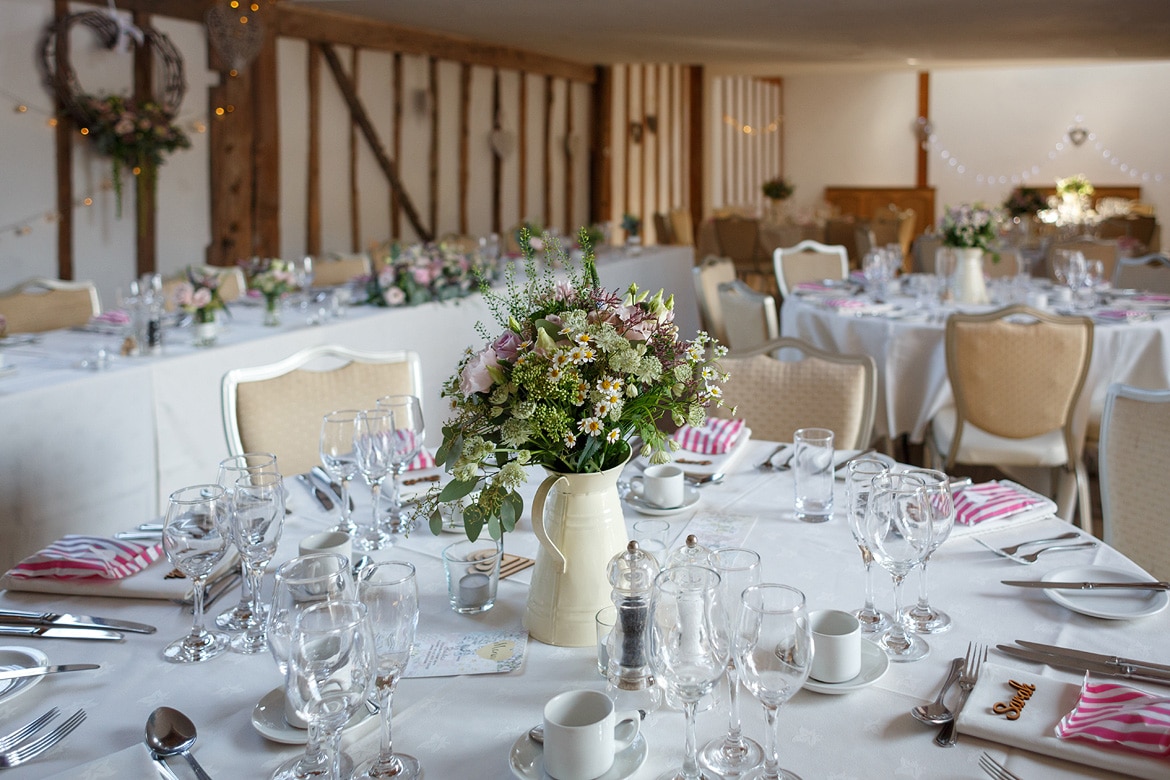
97, 451
464, 726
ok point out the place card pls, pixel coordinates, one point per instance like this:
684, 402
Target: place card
720, 529
481, 652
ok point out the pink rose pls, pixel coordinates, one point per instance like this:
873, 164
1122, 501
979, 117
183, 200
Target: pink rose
422, 275
507, 346
201, 298
183, 292
394, 296
475, 377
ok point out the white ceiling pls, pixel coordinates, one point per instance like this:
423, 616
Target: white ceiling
796, 34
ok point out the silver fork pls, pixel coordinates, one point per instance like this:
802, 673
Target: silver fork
995, 769
769, 465
1012, 549
33, 749
9, 741
1034, 556
976, 655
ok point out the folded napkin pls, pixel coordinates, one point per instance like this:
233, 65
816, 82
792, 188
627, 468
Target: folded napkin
814, 287
714, 437
424, 460
1119, 715
1036, 728
1153, 297
79, 557
112, 317
845, 303
1123, 315
993, 501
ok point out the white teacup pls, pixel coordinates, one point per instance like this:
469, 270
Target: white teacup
337, 542
582, 733
660, 486
836, 646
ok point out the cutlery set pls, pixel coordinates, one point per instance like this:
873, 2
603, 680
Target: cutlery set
1083, 661
56, 625
1032, 557
19, 746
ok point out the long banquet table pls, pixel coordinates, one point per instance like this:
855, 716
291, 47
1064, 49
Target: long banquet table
463, 727
86, 451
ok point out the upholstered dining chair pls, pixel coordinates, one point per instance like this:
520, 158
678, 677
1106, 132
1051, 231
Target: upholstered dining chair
1148, 272
682, 227
739, 239
663, 232
708, 275
786, 384
749, 317
1016, 374
278, 407
808, 261
1134, 458
340, 269
49, 304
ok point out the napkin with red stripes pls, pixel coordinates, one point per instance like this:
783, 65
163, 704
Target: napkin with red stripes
716, 436
1121, 716
992, 501
77, 557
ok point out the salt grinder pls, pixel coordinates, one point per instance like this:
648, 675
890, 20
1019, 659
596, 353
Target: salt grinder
629, 681
690, 554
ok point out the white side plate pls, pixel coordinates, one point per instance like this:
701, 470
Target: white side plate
1108, 604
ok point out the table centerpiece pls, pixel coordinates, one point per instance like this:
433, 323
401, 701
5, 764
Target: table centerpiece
574, 373
969, 230
273, 279
199, 296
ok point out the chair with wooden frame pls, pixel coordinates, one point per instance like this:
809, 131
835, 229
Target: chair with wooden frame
49, 304
232, 286
739, 239
1148, 272
682, 227
278, 407
749, 317
787, 383
663, 232
808, 261
1016, 374
340, 269
708, 275
1133, 459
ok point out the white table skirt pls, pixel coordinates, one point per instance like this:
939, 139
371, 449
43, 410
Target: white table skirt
93, 452
464, 726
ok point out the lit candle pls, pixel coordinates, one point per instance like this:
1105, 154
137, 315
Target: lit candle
474, 589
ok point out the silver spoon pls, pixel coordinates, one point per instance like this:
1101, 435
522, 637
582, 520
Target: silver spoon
536, 733
936, 712
170, 732
705, 479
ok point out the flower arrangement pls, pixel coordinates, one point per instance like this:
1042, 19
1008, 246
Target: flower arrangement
273, 278
409, 275
1025, 202
535, 234
632, 225
134, 136
1077, 185
778, 188
969, 226
574, 373
199, 295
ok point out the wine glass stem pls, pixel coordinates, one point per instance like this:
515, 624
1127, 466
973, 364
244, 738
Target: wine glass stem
345, 501
923, 597
897, 630
869, 605
690, 767
316, 760
395, 491
376, 495
245, 589
197, 606
333, 740
734, 726
385, 762
771, 744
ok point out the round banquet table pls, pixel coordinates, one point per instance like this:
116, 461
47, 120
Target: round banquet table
464, 726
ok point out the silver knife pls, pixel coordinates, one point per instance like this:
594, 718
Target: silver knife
58, 632
321, 496
22, 618
1098, 657
1081, 665
38, 671
1087, 585
326, 482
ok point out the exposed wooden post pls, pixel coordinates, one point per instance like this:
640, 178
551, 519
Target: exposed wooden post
395, 202
698, 114
923, 159
547, 149
63, 139
601, 162
313, 179
567, 152
433, 177
522, 146
497, 167
231, 146
355, 199
265, 77
464, 148
145, 182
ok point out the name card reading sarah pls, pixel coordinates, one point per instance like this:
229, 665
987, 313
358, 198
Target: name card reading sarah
1013, 709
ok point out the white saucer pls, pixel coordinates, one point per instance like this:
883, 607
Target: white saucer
1108, 604
690, 498
268, 719
874, 664
12, 658
526, 760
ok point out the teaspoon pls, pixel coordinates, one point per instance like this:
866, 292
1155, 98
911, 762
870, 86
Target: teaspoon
936, 712
170, 732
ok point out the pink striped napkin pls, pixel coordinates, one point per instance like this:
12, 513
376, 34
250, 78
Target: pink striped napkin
1124, 315
1121, 716
990, 501
424, 460
76, 557
112, 317
1153, 297
715, 437
845, 303
812, 287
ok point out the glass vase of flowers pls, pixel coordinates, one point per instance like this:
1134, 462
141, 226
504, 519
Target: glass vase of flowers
199, 296
573, 374
273, 279
408, 275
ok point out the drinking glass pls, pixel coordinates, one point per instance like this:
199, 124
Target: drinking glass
373, 432
922, 618
339, 456
257, 520
330, 670
303, 270
876, 268
859, 483
773, 647
1068, 266
243, 614
945, 263
688, 645
1093, 282
299, 584
195, 538
898, 525
406, 441
390, 592
733, 754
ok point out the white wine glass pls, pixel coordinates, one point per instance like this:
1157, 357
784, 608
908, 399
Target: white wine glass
195, 539
859, 483
372, 435
923, 618
330, 670
773, 647
688, 646
733, 754
298, 584
257, 519
898, 530
249, 611
390, 592
406, 443
339, 457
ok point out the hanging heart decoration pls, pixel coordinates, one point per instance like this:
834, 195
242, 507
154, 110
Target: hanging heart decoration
1078, 135
236, 41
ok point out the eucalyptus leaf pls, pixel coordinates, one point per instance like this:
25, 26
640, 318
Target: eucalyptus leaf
472, 529
457, 489
436, 522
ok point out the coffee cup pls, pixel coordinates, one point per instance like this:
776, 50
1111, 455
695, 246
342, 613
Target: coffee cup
337, 542
583, 733
660, 486
836, 646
